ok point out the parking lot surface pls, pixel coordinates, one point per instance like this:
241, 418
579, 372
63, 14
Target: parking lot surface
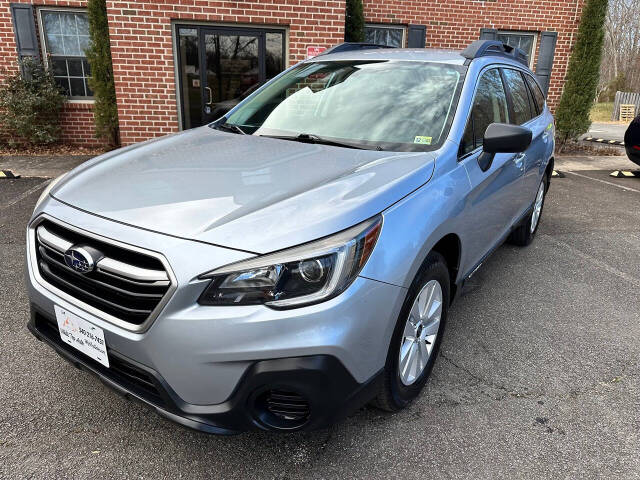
538, 376
610, 131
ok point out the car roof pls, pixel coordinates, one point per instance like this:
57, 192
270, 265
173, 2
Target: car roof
401, 54
451, 57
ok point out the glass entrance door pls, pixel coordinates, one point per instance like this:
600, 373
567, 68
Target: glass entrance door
219, 67
232, 71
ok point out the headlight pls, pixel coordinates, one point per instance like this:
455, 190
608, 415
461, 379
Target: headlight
47, 189
302, 275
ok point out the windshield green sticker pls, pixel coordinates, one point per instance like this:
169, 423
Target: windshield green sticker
550, 126
422, 140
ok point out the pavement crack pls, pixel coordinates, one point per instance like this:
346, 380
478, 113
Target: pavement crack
25, 194
507, 391
593, 388
570, 394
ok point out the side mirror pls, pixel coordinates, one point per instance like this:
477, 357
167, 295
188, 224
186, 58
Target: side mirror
502, 138
505, 138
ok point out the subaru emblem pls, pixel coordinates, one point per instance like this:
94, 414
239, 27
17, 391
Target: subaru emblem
79, 259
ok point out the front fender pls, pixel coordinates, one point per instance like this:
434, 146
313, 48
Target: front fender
413, 226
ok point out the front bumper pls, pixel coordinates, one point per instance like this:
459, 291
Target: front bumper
207, 364
331, 391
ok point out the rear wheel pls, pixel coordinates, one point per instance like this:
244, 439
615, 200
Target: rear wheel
524, 233
417, 336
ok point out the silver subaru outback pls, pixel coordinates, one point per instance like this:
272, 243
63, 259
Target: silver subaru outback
295, 259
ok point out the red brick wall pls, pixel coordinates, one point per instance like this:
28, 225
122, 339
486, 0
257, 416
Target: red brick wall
453, 24
143, 53
77, 118
8, 55
142, 47
77, 125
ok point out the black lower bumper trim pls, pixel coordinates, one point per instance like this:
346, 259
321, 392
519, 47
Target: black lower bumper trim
329, 388
633, 154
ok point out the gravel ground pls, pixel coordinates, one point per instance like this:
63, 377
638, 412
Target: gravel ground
537, 376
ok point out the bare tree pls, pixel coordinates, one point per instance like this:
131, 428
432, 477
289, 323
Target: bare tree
620, 68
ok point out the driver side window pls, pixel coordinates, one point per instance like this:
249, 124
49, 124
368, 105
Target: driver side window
489, 106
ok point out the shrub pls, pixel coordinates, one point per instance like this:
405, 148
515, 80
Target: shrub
105, 110
572, 115
354, 21
30, 105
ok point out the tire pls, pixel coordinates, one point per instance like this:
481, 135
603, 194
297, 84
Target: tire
523, 234
397, 389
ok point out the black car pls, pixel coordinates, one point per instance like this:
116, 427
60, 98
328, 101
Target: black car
632, 141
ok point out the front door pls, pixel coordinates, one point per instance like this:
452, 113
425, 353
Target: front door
496, 192
219, 67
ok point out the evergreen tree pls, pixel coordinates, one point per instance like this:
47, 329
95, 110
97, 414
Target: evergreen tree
101, 82
354, 21
572, 115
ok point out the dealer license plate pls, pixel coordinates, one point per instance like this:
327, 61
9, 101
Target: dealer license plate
82, 335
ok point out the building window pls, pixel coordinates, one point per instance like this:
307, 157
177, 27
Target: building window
390, 35
65, 37
525, 41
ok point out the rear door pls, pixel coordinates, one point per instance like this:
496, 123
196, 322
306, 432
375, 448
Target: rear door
525, 112
493, 201
542, 128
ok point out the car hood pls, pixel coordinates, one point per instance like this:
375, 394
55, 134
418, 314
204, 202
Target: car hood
241, 191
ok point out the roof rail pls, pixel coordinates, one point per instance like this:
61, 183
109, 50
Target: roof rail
483, 48
350, 46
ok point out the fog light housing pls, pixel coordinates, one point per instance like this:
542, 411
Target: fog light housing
282, 409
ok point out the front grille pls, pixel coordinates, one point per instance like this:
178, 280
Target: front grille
120, 371
125, 284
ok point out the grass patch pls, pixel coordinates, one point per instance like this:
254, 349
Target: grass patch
601, 112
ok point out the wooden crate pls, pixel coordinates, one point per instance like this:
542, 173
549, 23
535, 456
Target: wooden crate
621, 99
627, 112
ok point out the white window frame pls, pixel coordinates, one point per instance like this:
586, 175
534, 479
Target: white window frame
524, 33
43, 44
391, 26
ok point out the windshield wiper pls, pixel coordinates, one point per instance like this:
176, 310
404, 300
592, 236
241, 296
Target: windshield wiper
311, 138
231, 127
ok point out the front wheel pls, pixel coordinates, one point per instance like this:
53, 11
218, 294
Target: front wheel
417, 336
524, 233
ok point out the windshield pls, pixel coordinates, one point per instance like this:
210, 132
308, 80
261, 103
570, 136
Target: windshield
390, 105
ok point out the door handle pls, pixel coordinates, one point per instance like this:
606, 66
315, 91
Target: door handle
519, 160
545, 137
208, 89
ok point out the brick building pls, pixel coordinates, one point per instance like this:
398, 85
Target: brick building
180, 63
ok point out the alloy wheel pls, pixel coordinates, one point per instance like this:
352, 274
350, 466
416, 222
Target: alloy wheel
420, 332
537, 207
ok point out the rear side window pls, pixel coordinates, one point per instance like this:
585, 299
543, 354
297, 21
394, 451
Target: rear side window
519, 96
489, 106
538, 96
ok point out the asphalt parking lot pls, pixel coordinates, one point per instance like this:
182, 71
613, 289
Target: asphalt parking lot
538, 376
609, 130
